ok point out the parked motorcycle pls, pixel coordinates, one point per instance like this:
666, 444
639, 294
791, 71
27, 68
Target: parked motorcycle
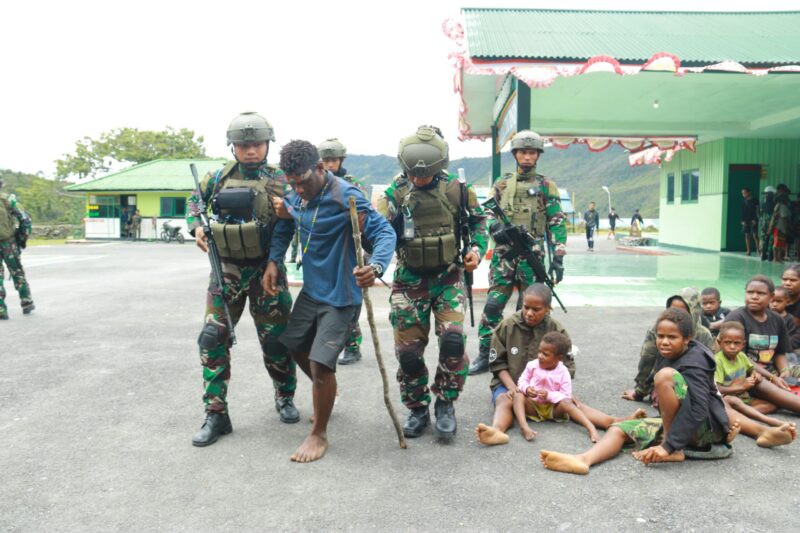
171, 233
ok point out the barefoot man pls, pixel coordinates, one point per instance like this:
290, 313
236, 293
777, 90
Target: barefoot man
330, 300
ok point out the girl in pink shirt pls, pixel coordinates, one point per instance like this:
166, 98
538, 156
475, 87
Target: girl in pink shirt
546, 392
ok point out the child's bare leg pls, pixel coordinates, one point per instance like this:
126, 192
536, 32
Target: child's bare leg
503, 418
521, 407
736, 403
772, 394
602, 420
668, 401
766, 437
763, 406
606, 448
569, 407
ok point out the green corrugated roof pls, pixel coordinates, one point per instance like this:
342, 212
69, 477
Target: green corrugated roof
696, 38
158, 175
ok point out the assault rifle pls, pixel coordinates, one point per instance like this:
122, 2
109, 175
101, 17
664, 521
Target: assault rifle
466, 241
520, 244
213, 254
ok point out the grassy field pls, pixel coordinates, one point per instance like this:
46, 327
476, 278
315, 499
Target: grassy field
40, 242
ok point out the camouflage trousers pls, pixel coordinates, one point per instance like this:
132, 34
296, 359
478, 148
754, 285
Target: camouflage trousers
413, 298
503, 277
10, 255
354, 340
270, 315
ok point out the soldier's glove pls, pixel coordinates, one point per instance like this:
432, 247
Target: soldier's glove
22, 240
557, 268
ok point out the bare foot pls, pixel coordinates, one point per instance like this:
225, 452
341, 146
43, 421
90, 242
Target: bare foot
735, 429
528, 433
778, 436
639, 413
630, 395
648, 457
313, 448
562, 462
490, 436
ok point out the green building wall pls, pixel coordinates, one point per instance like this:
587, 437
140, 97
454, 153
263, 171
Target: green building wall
702, 224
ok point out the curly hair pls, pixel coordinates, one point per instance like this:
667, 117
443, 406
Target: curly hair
728, 326
297, 157
761, 278
559, 341
680, 318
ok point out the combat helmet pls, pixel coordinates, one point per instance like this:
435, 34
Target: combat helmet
250, 127
332, 148
423, 154
527, 140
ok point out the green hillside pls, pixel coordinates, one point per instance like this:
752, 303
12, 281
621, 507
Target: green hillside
43, 199
581, 172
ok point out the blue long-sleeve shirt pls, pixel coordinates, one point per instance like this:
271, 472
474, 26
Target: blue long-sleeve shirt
329, 261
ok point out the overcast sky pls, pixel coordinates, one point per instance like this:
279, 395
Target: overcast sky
368, 72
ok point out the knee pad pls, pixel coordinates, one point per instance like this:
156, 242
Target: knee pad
272, 346
212, 335
411, 363
493, 306
452, 345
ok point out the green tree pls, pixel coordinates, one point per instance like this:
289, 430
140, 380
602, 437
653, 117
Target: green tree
128, 145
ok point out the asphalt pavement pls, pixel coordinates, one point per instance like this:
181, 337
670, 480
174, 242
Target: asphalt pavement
103, 390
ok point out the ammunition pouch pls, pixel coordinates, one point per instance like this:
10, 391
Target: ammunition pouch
234, 203
431, 253
241, 241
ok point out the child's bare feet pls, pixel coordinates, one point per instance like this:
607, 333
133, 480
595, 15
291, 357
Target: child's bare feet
639, 413
562, 462
631, 395
735, 429
528, 433
490, 436
778, 436
313, 448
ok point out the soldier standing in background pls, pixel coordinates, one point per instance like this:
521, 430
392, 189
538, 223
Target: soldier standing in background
426, 206
532, 200
333, 152
13, 239
592, 220
244, 247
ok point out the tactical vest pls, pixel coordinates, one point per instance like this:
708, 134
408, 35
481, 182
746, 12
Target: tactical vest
7, 228
243, 230
434, 212
522, 207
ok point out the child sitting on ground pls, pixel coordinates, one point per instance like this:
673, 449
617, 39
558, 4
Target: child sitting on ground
545, 392
515, 342
780, 299
713, 312
736, 375
692, 411
765, 332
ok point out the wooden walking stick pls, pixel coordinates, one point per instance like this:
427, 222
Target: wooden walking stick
372, 328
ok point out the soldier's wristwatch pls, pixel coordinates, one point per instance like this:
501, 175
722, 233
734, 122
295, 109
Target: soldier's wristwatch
378, 269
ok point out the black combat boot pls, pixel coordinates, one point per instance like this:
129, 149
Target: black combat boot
287, 411
27, 308
215, 426
418, 419
481, 363
348, 358
445, 427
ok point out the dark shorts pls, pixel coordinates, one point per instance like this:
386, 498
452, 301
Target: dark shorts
750, 227
500, 389
318, 329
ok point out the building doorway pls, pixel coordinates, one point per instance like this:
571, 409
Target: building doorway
739, 177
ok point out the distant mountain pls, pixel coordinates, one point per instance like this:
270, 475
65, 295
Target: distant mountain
581, 172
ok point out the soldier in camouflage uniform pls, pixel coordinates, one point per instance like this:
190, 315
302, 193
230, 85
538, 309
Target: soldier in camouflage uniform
242, 235
688, 300
532, 200
427, 206
13, 239
333, 152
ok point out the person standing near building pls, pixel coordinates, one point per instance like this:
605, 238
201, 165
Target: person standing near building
766, 209
246, 197
333, 152
13, 239
749, 221
136, 225
612, 224
528, 199
592, 220
330, 300
429, 209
